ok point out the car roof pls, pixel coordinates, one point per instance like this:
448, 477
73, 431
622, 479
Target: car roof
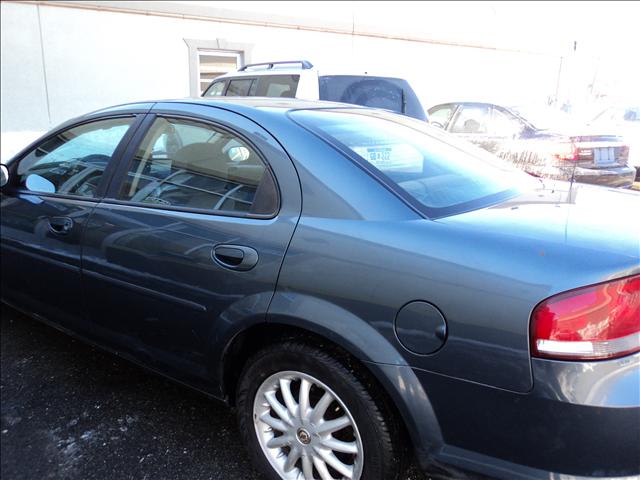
236, 104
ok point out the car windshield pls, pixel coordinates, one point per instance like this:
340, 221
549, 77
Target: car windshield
435, 172
546, 118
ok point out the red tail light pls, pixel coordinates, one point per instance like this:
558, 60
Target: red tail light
590, 323
566, 151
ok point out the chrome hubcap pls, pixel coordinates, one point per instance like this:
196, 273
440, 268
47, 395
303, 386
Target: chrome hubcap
305, 430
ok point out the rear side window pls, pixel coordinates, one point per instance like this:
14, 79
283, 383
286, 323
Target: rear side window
188, 164
279, 86
73, 161
436, 173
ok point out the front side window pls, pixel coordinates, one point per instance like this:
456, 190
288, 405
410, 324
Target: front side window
73, 161
188, 164
437, 173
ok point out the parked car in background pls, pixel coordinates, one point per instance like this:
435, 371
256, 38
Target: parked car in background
542, 141
625, 121
300, 79
359, 284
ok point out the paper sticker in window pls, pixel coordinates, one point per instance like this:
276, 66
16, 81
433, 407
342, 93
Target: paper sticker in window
398, 157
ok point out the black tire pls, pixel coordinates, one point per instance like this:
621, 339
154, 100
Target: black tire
383, 440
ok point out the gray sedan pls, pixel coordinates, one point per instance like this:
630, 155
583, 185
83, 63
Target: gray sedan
358, 284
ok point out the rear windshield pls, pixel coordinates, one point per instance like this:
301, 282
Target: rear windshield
435, 172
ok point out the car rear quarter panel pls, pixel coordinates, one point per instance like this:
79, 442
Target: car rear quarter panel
359, 247
480, 394
372, 269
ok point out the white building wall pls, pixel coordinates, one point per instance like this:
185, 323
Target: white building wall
23, 101
60, 62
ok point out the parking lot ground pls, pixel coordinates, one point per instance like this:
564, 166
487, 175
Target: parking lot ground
73, 412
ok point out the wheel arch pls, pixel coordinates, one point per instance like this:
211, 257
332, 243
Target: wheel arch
375, 358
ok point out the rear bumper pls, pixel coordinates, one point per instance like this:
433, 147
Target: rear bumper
581, 420
609, 177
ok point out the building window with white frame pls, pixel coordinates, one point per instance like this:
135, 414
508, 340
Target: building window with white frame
212, 64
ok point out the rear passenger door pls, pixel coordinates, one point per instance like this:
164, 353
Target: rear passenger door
189, 241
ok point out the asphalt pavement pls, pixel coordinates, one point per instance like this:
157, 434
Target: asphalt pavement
72, 412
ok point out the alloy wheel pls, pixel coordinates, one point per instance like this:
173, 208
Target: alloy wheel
305, 430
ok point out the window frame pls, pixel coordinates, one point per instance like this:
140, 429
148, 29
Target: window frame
127, 159
109, 172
